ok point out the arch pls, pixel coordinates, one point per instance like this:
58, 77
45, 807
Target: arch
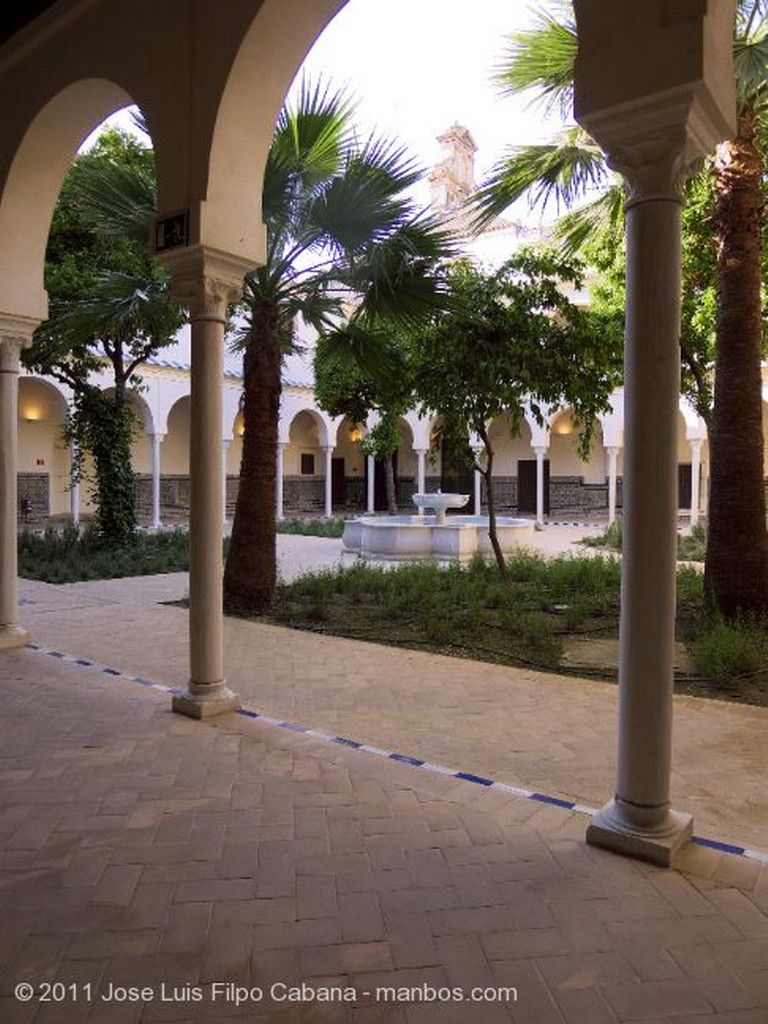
292, 404
267, 58
33, 182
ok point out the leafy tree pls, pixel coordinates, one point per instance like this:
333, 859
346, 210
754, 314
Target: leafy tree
344, 388
342, 233
511, 338
110, 306
727, 200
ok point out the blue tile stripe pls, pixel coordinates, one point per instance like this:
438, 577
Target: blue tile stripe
413, 762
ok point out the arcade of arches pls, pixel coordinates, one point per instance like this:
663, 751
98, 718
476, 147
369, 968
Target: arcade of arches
654, 86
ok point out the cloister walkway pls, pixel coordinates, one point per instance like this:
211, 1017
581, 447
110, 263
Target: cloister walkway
141, 847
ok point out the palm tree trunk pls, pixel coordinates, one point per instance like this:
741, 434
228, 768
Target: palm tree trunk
250, 573
737, 549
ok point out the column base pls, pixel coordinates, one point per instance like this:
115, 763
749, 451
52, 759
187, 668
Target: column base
612, 829
203, 705
12, 636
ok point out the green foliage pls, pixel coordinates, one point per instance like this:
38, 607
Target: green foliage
726, 651
693, 548
690, 548
110, 306
71, 555
611, 537
104, 427
312, 527
513, 335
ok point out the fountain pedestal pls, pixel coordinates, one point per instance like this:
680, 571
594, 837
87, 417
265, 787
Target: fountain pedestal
440, 502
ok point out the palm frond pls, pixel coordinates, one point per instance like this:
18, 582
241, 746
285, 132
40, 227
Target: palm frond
308, 148
577, 227
122, 305
542, 59
750, 65
564, 171
118, 199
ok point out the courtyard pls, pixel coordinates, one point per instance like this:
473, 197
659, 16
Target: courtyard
372, 819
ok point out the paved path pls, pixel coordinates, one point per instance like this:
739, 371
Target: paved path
140, 848
549, 733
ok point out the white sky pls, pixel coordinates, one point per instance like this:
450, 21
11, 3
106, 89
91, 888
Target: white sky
418, 66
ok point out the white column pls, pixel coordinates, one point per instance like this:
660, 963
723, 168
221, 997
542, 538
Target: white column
224, 454
478, 482
328, 481
421, 469
612, 452
157, 440
370, 501
74, 486
654, 126
206, 282
540, 454
639, 820
11, 343
695, 478
279, 482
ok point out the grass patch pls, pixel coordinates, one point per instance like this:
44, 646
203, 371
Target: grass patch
471, 612
71, 555
691, 547
466, 611
312, 527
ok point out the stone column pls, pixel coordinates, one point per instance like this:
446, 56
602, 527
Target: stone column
224, 454
612, 452
13, 337
656, 92
206, 282
639, 819
421, 470
695, 480
540, 454
74, 486
157, 440
328, 481
279, 482
371, 496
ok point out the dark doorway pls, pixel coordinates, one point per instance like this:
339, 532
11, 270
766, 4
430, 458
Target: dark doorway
338, 483
456, 473
379, 483
685, 485
526, 486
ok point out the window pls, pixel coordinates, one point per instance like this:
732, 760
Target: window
307, 464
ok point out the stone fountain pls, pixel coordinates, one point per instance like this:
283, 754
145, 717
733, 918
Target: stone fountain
438, 536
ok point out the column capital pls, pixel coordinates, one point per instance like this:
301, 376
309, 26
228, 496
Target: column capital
654, 86
205, 280
540, 449
15, 334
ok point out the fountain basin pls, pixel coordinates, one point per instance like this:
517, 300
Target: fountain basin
413, 537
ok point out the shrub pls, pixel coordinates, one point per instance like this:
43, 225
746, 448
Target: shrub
693, 548
725, 651
312, 527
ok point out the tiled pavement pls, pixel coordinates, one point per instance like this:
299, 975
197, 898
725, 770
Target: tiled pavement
140, 848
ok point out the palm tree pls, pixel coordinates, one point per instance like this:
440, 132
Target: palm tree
341, 232
571, 169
